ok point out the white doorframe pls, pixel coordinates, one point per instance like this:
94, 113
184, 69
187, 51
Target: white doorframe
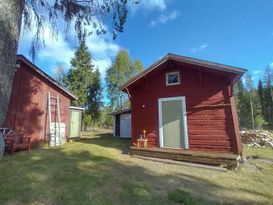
184, 126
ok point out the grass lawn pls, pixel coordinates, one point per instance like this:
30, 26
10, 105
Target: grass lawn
258, 152
97, 170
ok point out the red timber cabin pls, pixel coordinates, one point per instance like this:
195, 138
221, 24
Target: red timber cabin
28, 106
186, 103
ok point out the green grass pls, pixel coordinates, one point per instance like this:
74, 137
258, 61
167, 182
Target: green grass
182, 197
266, 152
97, 170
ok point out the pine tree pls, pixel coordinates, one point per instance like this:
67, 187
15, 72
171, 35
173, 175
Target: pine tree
243, 105
85, 83
80, 77
249, 87
261, 96
95, 99
268, 100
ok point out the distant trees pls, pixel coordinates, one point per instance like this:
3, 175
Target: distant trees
122, 69
59, 74
255, 105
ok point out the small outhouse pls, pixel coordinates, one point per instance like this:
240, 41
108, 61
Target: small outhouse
122, 123
76, 121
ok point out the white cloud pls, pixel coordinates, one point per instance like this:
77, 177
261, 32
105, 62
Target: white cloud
159, 4
164, 18
60, 50
256, 72
199, 48
150, 5
271, 65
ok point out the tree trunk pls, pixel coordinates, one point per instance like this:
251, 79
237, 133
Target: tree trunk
252, 114
10, 26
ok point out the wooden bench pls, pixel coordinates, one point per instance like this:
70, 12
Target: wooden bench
15, 142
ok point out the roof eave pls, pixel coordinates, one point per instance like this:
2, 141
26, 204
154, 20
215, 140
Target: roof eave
42, 73
183, 59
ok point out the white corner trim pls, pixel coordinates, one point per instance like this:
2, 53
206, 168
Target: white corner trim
185, 127
160, 122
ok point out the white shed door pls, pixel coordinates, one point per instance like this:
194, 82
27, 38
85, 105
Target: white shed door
125, 125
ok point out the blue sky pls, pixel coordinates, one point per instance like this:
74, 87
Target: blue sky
233, 32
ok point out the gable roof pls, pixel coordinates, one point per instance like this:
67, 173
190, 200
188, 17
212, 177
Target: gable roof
184, 59
37, 70
122, 111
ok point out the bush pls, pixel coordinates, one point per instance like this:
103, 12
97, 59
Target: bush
259, 122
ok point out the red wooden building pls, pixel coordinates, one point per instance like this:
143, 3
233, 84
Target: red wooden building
27, 112
186, 103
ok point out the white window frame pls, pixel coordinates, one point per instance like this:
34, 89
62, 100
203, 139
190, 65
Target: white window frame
171, 73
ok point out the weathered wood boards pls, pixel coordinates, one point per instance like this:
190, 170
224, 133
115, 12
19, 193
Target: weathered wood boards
217, 159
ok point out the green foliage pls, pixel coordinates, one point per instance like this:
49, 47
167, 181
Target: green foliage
182, 197
120, 72
106, 120
94, 99
137, 67
268, 96
85, 83
258, 101
260, 122
86, 120
80, 77
243, 106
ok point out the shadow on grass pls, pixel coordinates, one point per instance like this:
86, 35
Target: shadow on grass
69, 176
107, 140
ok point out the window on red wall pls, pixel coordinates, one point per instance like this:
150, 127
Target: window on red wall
173, 78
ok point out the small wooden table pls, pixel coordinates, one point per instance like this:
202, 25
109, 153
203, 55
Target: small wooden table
142, 142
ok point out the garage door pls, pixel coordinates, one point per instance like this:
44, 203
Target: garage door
125, 125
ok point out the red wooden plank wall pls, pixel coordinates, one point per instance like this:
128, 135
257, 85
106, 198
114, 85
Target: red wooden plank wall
27, 111
209, 128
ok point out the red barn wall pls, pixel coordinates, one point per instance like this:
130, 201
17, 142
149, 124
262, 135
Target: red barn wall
209, 129
27, 111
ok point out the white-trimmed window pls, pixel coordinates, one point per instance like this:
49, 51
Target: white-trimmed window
173, 78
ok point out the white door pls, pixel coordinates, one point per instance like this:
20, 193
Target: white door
125, 125
173, 132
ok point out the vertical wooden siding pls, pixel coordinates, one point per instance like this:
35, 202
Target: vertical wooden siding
208, 128
28, 105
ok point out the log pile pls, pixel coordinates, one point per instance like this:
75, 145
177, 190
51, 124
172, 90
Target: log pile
257, 138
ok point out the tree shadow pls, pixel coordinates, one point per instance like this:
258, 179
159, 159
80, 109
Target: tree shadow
24, 112
81, 176
107, 140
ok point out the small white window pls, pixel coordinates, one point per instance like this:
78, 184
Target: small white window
173, 78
